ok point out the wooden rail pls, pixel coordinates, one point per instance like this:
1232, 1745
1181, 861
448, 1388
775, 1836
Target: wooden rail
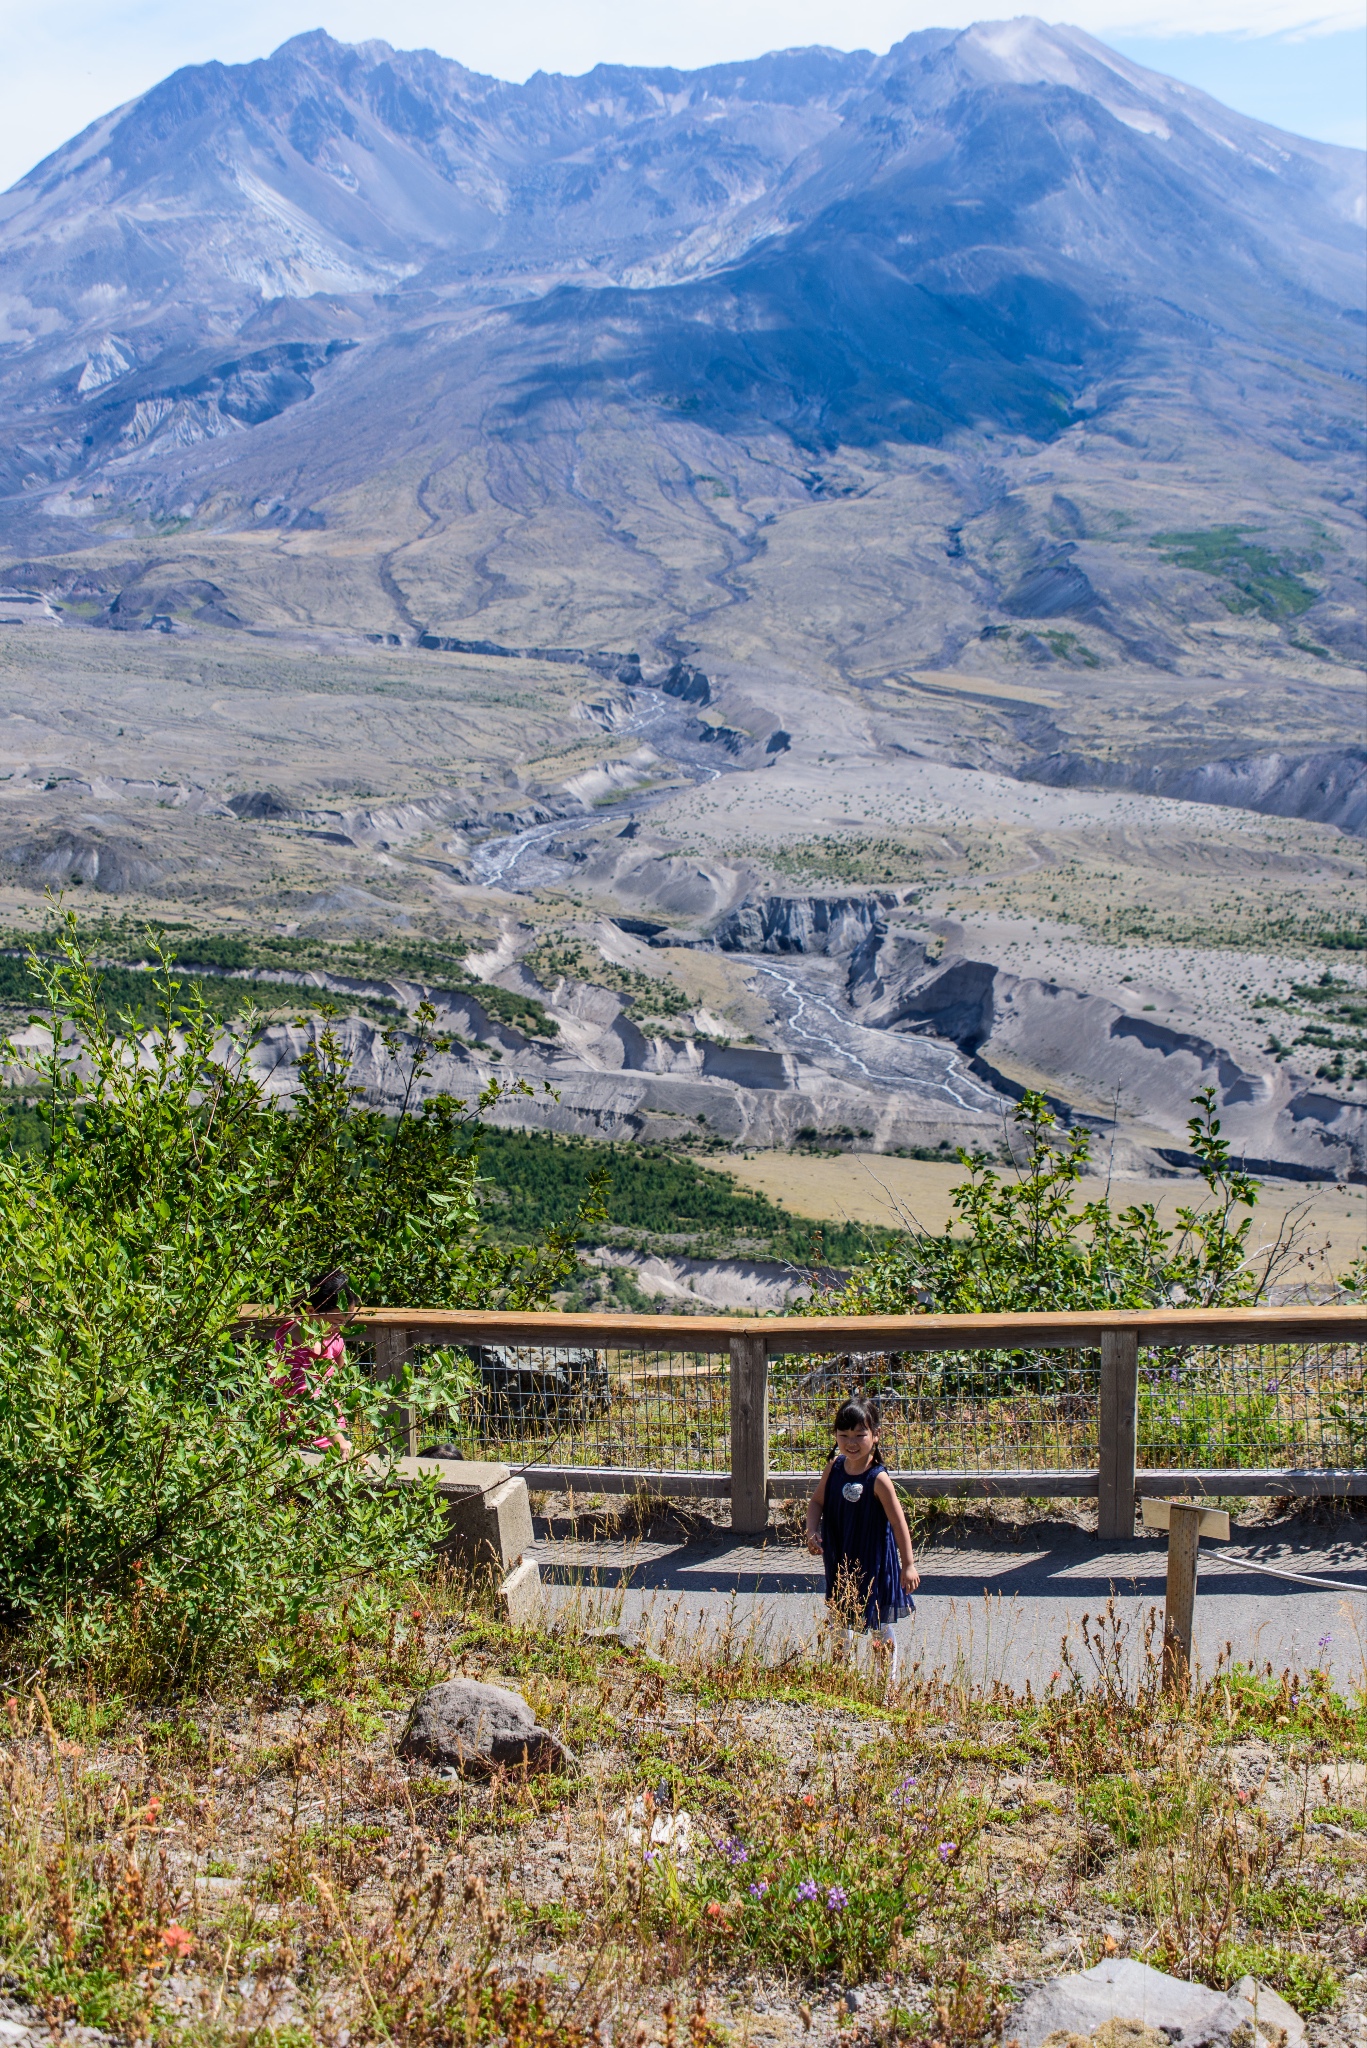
751, 1342
781, 1335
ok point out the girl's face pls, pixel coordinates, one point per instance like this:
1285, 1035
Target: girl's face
858, 1444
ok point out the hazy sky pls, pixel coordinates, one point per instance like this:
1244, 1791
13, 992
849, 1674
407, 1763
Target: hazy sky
65, 61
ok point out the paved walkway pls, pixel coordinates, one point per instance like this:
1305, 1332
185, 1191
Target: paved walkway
996, 1609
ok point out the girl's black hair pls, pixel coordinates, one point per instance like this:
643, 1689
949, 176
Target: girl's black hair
860, 1412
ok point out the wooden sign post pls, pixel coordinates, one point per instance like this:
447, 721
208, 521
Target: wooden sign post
1185, 1526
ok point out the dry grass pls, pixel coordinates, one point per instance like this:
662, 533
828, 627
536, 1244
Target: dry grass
256, 1863
881, 1188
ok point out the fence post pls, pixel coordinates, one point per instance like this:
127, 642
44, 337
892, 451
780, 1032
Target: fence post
1184, 1542
1119, 1402
749, 1435
391, 1350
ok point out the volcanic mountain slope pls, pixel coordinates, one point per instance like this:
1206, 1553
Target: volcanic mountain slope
834, 362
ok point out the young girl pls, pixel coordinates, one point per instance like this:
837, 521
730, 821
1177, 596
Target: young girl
855, 1522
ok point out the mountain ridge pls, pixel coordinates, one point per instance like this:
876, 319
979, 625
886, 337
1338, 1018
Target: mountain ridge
568, 362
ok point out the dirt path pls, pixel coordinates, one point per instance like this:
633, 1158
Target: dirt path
997, 1606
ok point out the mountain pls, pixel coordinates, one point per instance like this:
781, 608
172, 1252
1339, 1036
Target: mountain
832, 360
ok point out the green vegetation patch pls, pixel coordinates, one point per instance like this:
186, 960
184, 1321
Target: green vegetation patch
839, 857
124, 945
1260, 580
132, 992
647, 995
656, 1200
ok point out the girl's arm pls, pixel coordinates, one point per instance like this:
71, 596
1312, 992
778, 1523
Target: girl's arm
815, 1508
901, 1534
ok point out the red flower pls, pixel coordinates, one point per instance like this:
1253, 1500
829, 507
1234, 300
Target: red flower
178, 1939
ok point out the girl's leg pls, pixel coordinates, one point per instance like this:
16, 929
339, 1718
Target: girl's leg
885, 1637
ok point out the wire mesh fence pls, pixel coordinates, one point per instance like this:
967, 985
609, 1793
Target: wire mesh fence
1291, 1405
967, 1412
1248, 1406
582, 1405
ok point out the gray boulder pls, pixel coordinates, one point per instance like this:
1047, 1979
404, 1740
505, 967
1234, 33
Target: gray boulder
1273, 2015
474, 1728
1129, 1992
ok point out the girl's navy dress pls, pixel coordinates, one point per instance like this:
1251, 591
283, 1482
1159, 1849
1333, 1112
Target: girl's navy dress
856, 1535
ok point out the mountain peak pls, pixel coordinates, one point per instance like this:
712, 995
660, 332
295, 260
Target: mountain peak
989, 231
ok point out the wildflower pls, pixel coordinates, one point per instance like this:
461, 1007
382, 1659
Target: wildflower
651, 1855
809, 1799
807, 1890
837, 1898
735, 1851
758, 1890
946, 1850
1325, 1641
715, 1911
178, 1939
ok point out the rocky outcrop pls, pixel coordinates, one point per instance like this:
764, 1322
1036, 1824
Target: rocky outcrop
1328, 787
803, 924
733, 1286
1087, 1048
114, 866
613, 1082
638, 869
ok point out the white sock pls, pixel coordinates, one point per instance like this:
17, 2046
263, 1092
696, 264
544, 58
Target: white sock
888, 1634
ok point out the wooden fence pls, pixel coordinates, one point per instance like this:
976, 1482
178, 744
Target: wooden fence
871, 1350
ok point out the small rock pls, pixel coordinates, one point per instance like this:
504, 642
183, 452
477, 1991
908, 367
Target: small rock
621, 1636
1085, 2001
476, 1728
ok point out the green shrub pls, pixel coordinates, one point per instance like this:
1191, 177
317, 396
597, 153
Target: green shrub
1023, 1242
161, 1476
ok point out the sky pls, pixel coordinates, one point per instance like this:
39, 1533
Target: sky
1301, 66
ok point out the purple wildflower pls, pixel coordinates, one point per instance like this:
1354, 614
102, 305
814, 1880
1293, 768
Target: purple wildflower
735, 1851
1325, 1641
946, 1850
837, 1898
808, 1889
757, 1891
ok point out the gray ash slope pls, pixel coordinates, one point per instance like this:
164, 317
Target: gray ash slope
611, 361
853, 248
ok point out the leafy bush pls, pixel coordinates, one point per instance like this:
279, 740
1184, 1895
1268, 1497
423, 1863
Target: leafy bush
1023, 1243
159, 1474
